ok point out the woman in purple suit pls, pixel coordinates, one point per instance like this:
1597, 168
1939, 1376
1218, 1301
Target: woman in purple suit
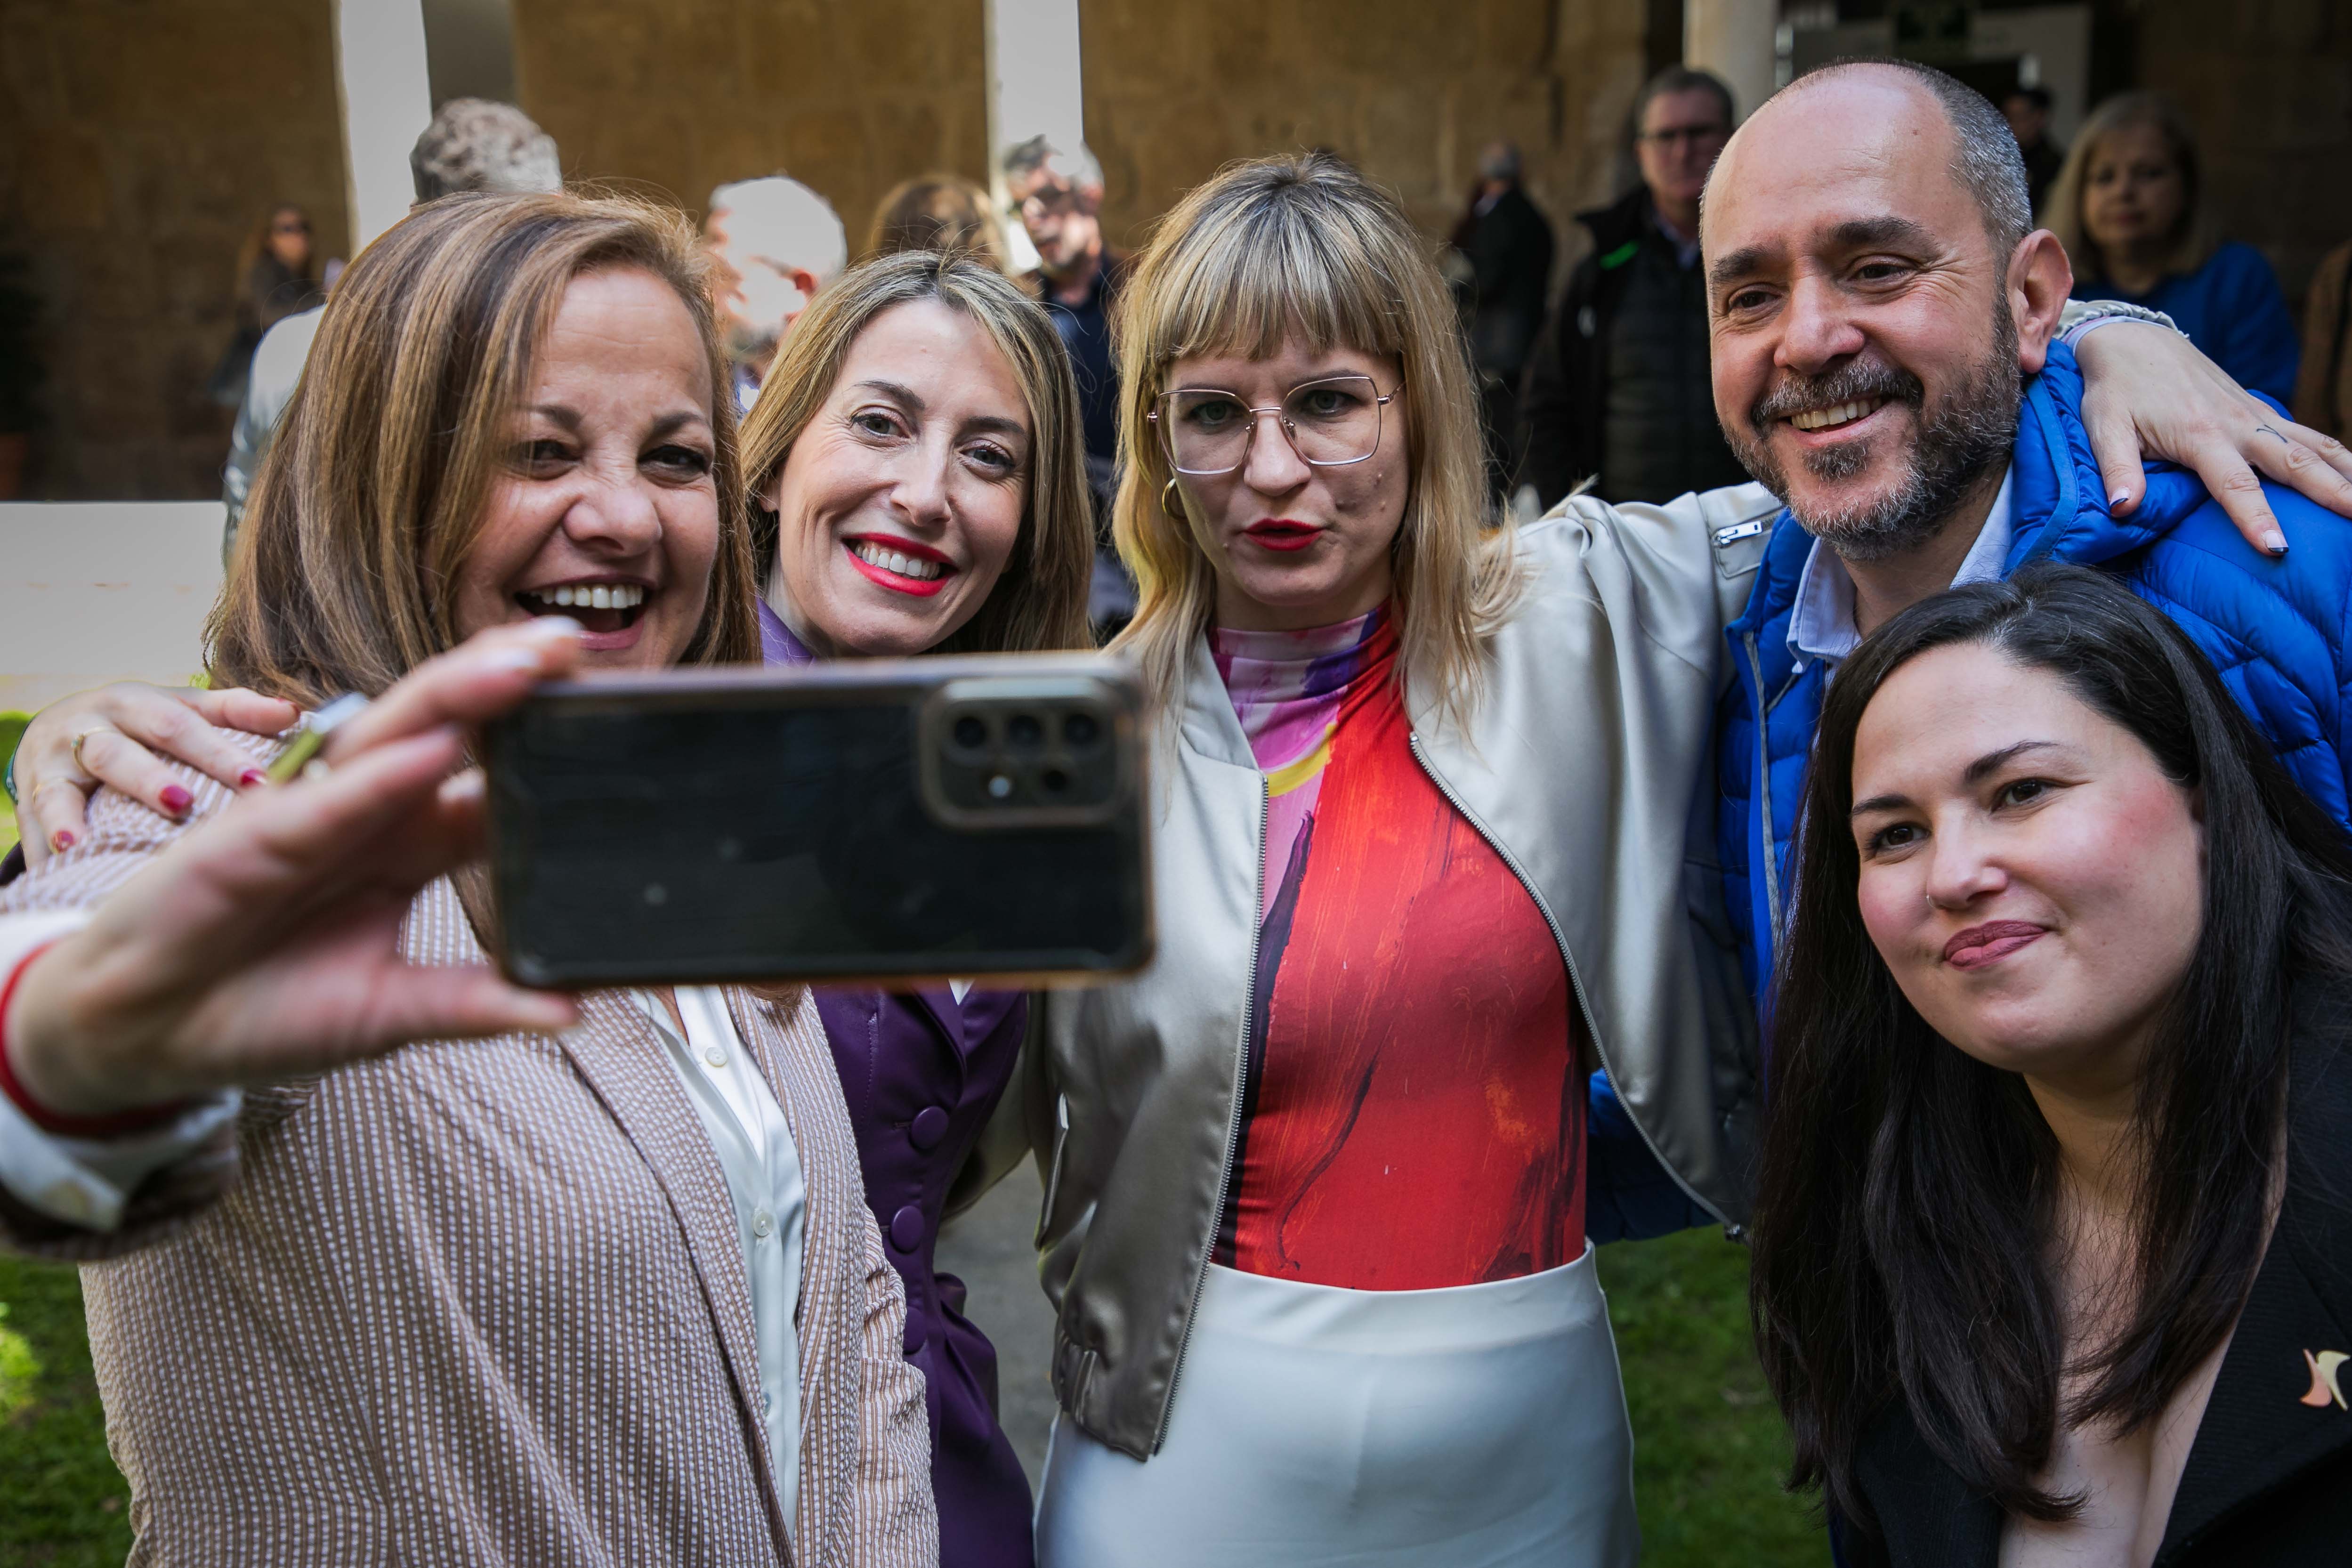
916, 458
916, 453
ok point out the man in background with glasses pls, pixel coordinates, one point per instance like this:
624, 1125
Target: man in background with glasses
1619, 387
1058, 197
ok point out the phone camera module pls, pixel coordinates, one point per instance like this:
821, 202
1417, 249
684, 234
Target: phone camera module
1081, 730
970, 732
1023, 731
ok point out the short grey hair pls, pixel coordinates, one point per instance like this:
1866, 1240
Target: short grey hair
1038, 153
1989, 165
475, 144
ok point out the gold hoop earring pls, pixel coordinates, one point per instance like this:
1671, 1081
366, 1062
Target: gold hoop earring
1170, 502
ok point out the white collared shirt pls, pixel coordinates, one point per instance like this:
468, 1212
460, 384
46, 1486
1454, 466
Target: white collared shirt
1821, 624
763, 1164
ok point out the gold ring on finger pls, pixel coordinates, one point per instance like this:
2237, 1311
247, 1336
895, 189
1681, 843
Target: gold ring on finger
81, 735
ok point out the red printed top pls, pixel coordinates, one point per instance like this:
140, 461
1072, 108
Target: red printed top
1413, 1105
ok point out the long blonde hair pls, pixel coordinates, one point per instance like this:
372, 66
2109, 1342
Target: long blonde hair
377, 483
1040, 602
1304, 244
2193, 237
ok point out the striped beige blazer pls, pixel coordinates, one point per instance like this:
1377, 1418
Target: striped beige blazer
485, 1301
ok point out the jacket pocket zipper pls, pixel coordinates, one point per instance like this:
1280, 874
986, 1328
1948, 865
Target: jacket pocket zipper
1054, 1176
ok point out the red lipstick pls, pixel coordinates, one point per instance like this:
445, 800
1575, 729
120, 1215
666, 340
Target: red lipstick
1989, 943
898, 582
1283, 534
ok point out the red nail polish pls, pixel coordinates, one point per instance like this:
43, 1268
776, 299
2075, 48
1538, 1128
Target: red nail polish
250, 777
61, 840
177, 799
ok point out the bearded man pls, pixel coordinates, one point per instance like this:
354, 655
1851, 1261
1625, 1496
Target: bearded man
1884, 322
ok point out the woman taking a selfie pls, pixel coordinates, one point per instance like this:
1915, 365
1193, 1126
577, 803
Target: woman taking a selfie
566, 1279
2052, 1246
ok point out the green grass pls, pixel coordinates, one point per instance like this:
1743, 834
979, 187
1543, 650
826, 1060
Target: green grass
1708, 1456
1710, 1449
62, 1502
12, 726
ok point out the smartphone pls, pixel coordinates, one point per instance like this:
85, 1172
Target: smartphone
889, 821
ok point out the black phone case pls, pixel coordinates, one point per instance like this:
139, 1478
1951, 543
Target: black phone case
821, 824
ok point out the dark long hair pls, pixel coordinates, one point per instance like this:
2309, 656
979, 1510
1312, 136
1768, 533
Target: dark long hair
1907, 1189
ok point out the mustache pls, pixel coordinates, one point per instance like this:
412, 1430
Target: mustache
1853, 382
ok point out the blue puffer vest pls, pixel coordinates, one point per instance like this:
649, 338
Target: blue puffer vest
2275, 630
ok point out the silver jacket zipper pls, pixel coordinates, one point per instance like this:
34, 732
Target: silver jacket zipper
1233, 1125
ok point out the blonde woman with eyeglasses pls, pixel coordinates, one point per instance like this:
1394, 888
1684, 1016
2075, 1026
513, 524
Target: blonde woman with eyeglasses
1314, 1220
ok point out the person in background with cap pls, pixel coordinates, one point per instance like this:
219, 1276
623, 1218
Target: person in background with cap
1058, 197
1501, 280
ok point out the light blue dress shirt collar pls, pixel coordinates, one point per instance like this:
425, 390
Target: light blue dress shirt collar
1821, 624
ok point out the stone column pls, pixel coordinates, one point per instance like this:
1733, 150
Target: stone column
1033, 90
1733, 38
387, 102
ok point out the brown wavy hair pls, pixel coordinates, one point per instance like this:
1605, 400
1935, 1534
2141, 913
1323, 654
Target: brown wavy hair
376, 487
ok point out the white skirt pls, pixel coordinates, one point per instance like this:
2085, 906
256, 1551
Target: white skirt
1482, 1426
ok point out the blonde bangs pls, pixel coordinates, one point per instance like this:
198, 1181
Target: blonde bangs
1305, 249
1250, 280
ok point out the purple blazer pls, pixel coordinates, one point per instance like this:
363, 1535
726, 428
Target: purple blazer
922, 1074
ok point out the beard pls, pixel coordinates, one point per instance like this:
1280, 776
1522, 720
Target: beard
1961, 438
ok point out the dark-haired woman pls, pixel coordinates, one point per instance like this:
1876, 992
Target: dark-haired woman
279, 274
2054, 1253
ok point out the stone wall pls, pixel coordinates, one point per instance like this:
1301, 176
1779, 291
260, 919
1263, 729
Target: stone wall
141, 141
2269, 83
848, 97
1408, 89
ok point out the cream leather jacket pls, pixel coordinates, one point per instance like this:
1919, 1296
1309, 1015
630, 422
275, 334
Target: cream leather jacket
1585, 762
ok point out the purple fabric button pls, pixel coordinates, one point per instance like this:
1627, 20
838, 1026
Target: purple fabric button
907, 1228
931, 1125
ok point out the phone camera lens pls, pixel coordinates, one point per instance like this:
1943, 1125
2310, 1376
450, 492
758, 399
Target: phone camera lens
1022, 729
1080, 729
1054, 780
970, 732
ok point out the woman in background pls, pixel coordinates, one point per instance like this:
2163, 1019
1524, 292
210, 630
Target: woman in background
278, 275
2054, 1249
939, 212
2131, 208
